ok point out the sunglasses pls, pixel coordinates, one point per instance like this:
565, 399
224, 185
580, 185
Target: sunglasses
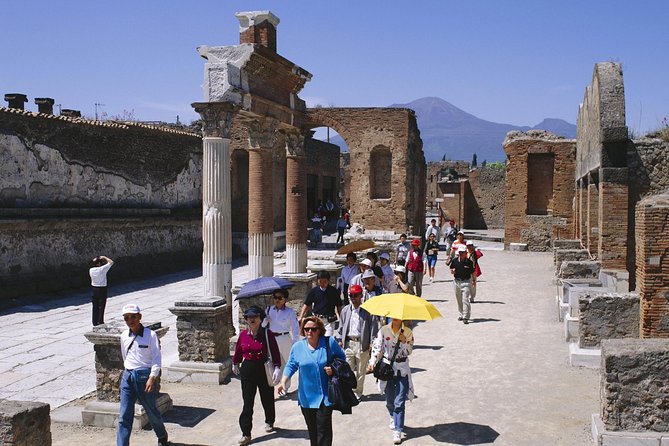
278, 297
310, 329
130, 316
251, 317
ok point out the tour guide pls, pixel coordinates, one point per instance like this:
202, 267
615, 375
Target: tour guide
462, 269
141, 359
323, 300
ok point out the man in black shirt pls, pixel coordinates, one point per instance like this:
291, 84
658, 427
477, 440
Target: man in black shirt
324, 302
463, 273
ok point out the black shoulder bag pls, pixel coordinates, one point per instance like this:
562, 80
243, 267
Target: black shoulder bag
384, 371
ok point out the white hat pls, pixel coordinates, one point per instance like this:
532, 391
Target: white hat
131, 309
367, 274
462, 248
400, 269
469, 242
367, 263
385, 255
460, 232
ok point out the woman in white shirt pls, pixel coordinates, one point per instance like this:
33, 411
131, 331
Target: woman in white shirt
400, 387
98, 275
282, 321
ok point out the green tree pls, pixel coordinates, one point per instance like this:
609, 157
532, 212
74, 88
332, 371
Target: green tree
474, 163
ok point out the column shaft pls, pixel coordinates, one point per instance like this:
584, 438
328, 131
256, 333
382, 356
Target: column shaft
296, 215
261, 213
216, 225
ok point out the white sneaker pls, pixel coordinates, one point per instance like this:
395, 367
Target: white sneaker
269, 427
397, 437
244, 440
392, 424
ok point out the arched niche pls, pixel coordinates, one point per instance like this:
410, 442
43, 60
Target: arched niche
380, 172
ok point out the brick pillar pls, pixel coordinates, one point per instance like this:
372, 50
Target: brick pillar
593, 215
652, 265
612, 221
296, 204
258, 27
45, 105
582, 205
16, 100
262, 138
216, 196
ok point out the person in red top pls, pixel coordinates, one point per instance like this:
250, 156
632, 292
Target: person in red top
474, 255
415, 267
251, 351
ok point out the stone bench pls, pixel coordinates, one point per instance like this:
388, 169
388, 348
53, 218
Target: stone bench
563, 255
24, 423
573, 269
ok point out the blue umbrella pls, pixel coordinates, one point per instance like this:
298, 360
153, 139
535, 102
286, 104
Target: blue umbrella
263, 285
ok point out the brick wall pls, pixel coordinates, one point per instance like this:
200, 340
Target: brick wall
613, 215
518, 146
364, 129
652, 264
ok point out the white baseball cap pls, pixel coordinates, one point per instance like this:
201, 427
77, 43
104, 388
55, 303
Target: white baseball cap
367, 274
400, 269
469, 242
131, 309
385, 255
462, 248
367, 263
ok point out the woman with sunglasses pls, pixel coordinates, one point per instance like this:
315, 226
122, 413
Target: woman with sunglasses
282, 321
310, 358
251, 352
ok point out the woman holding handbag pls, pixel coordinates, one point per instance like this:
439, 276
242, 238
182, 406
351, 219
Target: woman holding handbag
390, 352
310, 358
255, 347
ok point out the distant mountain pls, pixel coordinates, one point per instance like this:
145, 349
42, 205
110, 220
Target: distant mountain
447, 130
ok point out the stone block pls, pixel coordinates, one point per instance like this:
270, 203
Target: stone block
517, 246
562, 255
603, 437
617, 279
635, 385
24, 423
105, 413
584, 357
607, 316
198, 372
570, 328
579, 270
566, 244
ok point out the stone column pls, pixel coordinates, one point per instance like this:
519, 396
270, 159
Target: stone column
262, 139
109, 369
203, 332
216, 196
296, 204
613, 204
593, 219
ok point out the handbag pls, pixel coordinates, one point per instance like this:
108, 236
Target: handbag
384, 371
269, 365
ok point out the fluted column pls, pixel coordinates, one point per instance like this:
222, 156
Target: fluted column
216, 197
296, 204
262, 138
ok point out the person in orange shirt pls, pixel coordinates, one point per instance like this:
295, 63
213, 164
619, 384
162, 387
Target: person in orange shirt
459, 240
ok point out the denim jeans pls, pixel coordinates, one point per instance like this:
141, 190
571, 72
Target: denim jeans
132, 389
396, 395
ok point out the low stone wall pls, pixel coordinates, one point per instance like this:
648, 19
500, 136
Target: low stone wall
140, 245
540, 230
24, 423
635, 385
607, 316
563, 255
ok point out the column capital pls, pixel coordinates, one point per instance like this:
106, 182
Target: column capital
263, 133
216, 118
295, 142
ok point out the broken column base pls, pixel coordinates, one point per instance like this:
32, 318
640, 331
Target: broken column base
192, 372
517, 246
603, 437
105, 414
584, 357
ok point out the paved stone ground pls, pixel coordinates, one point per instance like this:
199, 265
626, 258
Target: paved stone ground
504, 379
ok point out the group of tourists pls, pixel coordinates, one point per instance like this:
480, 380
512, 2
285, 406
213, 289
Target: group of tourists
328, 329
324, 218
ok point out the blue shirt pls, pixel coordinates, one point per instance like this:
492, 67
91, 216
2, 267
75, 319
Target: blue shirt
313, 381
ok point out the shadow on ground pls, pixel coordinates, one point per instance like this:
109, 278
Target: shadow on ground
483, 319
187, 416
455, 433
496, 302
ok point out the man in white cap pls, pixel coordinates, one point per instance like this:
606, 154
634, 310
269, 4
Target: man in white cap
459, 241
463, 278
371, 287
141, 359
364, 265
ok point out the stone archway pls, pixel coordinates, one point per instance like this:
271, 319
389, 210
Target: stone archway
385, 150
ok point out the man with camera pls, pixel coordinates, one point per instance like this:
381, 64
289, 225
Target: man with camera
98, 273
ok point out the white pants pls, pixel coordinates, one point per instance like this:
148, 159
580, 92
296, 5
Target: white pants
463, 289
358, 360
284, 342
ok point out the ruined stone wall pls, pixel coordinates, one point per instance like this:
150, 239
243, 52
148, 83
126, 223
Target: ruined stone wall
395, 129
438, 171
486, 204
652, 264
72, 189
554, 222
607, 316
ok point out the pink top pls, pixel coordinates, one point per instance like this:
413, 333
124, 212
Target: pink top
252, 348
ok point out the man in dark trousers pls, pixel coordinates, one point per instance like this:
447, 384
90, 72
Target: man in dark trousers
324, 302
358, 330
98, 273
463, 273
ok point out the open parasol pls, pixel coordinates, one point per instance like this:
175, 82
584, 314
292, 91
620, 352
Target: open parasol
263, 285
358, 245
406, 307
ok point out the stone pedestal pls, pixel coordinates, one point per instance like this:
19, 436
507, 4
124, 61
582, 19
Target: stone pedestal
109, 370
333, 268
24, 423
204, 328
303, 284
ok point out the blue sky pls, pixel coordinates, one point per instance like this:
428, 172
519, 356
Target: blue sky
514, 62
